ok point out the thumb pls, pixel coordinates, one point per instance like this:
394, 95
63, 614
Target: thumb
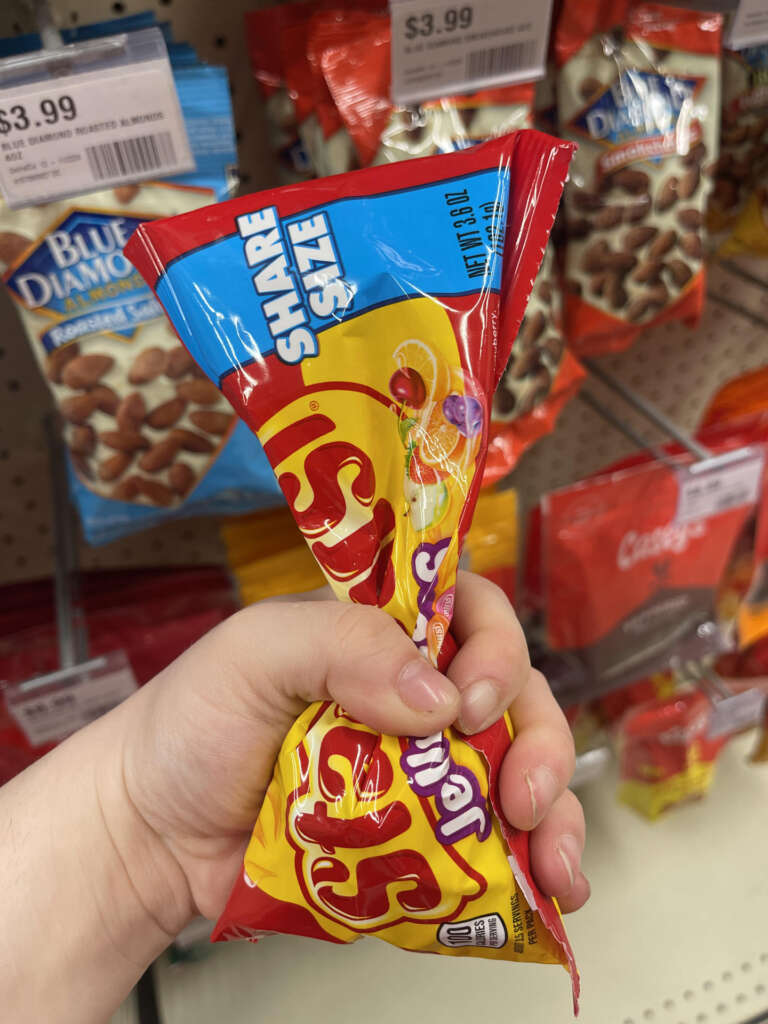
281, 656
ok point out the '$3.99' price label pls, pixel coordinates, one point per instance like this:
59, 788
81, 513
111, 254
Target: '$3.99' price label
449, 20
20, 117
443, 47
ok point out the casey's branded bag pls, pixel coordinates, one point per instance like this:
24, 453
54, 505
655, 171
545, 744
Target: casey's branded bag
626, 585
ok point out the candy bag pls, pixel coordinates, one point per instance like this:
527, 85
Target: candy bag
639, 90
367, 370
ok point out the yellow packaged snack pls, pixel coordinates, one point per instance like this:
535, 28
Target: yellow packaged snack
359, 325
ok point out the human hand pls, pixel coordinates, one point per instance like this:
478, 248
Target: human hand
198, 749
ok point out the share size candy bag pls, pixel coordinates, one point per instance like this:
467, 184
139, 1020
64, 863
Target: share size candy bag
355, 323
639, 90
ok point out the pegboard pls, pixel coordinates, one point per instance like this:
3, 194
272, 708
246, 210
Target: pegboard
677, 368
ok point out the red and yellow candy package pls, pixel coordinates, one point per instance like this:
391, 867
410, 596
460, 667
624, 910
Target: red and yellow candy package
356, 323
666, 753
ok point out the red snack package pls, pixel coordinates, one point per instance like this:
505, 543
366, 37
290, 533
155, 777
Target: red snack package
355, 58
666, 755
357, 332
264, 32
740, 408
639, 90
625, 582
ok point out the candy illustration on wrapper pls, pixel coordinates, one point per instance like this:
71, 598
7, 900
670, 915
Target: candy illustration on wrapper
355, 324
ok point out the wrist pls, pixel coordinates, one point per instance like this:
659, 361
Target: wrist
151, 874
83, 884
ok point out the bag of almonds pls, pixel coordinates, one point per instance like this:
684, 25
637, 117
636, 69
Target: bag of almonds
148, 436
639, 90
540, 378
736, 217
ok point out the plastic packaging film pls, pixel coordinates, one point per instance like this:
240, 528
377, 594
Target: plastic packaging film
359, 325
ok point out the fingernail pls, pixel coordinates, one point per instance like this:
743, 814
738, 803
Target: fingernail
542, 789
569, 851
423, 688
480, 707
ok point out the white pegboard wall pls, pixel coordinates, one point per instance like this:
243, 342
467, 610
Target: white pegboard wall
677, 368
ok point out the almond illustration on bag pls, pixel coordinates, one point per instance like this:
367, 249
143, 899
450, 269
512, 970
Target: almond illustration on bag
126, 389
639, 90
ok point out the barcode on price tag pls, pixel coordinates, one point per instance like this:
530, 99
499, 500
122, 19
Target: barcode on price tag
726, 482
441, 47
51, 707
118, 121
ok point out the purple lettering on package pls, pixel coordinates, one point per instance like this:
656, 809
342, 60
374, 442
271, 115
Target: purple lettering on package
432, 772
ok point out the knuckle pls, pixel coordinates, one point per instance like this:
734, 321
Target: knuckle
361, 629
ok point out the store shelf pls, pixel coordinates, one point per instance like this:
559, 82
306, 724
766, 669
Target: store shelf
676, 932
676, 367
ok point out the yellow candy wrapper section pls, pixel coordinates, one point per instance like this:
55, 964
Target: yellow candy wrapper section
421, 865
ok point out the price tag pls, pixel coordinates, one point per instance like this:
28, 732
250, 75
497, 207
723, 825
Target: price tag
49, 708
111, 117
441, 47
749, 26
718, 484
732, 714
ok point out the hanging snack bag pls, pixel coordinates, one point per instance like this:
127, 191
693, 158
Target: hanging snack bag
264, 37
354, 56
148, 438
539, 380
666, 756
639, 90
734, 217
358, 334
626, 583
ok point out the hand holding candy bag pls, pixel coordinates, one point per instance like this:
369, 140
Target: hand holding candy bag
355, 323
